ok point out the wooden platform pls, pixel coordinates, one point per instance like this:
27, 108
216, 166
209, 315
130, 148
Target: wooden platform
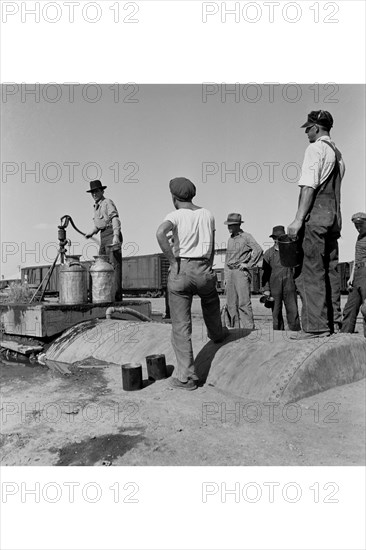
46, 319
20, 348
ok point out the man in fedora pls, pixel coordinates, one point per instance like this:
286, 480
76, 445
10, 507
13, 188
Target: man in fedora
357, 281
278, 282
107, 223
190, 253
242, 254
318, 223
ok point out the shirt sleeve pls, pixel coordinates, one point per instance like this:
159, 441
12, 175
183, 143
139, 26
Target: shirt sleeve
171, 218
256, 253
311, 167
113, 217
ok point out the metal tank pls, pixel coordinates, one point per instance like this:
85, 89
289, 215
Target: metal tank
254, 366
73, 288
102, 274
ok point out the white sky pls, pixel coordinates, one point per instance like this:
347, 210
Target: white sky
243, 156
169, 130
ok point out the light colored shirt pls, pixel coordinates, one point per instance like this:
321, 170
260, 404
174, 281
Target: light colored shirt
243, 248
193, 232
319, 161
106, 215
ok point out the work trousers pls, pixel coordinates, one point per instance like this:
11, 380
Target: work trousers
114, 257
355, 300
239, 306
318, 282
194, 277
283, 290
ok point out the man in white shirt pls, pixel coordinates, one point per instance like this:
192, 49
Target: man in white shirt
318, 222
191, 273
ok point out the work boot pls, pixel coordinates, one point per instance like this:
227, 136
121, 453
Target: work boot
178, 385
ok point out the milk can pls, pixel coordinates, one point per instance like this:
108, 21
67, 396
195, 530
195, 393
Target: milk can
102, 274
72, 282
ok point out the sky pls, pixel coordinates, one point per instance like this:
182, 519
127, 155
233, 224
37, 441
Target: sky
241, 145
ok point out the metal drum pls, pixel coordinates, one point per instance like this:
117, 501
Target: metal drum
102, 274
73, 287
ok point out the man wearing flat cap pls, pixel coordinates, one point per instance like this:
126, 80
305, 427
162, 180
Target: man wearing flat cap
190, 258
357, 280
318, 223
278, 282
242, 254
107, 223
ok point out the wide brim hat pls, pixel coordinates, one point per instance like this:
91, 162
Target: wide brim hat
96, 185
277, 231
233, 218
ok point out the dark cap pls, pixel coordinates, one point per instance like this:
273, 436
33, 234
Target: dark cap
182, 189
359, 217
233, 219
323, 118
277, 231
96, 185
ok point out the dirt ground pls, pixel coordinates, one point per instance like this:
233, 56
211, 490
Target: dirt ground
85, 418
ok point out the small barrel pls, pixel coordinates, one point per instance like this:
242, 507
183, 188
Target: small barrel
290, 251
132, 376
156, 367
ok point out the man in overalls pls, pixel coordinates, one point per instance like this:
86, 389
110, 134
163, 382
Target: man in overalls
278, 282
357, 280
318, 222
107, 222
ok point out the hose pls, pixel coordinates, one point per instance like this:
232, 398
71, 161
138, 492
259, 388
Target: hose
66, 223
141, 316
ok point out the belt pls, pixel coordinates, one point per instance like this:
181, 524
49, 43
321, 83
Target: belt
193, 259
360, 264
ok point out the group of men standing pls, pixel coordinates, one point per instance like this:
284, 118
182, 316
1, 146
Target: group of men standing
316, 227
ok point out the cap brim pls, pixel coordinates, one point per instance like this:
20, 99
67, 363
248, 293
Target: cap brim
232, 223
307, 124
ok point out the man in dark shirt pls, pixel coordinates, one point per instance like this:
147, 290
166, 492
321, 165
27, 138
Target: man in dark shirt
242, 253
357, 280
278, 282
